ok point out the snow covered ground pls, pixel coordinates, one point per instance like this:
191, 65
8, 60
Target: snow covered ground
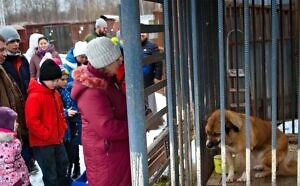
289, 127
36, 179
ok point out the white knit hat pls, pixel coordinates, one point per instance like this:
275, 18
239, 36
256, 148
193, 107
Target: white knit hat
101, 23
80, 48
102, 52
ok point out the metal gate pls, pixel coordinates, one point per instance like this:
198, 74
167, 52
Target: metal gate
238, 55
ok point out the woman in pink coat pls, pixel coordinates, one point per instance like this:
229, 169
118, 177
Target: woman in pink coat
104, 116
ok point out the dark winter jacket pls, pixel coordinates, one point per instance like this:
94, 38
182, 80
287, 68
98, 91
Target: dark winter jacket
104, 127
22, 76
91, 36
153, 70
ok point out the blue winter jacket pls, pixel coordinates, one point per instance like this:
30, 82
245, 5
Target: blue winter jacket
153, 70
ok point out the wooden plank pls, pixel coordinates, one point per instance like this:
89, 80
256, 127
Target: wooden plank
215, 179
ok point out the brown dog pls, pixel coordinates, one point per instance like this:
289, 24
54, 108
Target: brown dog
260, 144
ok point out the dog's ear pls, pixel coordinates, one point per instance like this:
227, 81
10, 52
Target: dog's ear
234, 118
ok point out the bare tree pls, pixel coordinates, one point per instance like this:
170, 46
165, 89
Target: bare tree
45, 11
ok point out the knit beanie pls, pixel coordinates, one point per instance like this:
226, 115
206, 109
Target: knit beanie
101, 52
49, 70
80, 48
101, 23
8, 118
9, 33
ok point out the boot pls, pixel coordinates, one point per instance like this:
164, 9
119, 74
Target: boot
69, 171
76, 171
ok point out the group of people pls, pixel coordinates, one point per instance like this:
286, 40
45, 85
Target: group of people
50, 107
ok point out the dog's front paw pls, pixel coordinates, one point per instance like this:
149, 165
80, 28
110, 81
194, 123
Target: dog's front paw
242, 178
258, 167
260, 174
230, 178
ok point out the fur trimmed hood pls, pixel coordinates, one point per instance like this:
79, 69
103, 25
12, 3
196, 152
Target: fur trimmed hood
6, 136
88, 79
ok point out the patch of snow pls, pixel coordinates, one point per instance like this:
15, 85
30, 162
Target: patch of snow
289, 127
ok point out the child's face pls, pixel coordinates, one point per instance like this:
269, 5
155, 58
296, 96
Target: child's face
51, 84
62, 82
13, 46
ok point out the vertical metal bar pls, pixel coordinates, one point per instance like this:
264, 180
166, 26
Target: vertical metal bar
264, 94
247, 89
274, 87
170, 95
236, 57
298, 149
177, 53
188, 80
294, 80
188, 90
196, 89
254, 58
134, 92
184, 72
282, 106
222, 75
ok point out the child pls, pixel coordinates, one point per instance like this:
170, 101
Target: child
13, 170
73, 133
46, 124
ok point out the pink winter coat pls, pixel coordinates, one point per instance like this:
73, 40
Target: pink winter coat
13, 170
104, 127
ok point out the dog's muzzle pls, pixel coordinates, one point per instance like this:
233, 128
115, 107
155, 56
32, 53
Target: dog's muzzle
212, 144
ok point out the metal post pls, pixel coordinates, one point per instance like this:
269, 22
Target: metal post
237, 67
170, 102
197, 91
274, 87
263, 66
187, 89
178, 57
247, 89
184, 86
298, 149
222, 75
134, 92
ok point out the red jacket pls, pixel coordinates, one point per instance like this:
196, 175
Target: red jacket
105, 138
44, 115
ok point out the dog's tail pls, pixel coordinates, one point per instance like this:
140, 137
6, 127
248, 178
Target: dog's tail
288, 167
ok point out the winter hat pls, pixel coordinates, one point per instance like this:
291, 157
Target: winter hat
49, 70
57, 61
9, 33
101, 23
101, 52
64, 71
33, 40
80, 48
8, 118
